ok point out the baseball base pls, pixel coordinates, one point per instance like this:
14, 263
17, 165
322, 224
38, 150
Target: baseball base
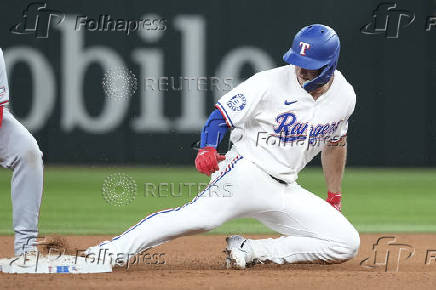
50, 264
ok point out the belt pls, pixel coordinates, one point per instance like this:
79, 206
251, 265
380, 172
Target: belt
278, 180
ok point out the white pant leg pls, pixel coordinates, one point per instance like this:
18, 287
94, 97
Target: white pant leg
314, 231
19, 151
234, 193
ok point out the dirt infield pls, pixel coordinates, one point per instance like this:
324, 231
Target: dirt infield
197, 262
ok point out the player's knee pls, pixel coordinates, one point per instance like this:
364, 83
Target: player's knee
354, 243
351, 245
30, 155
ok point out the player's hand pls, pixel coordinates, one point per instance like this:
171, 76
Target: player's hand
335, 200
207, 160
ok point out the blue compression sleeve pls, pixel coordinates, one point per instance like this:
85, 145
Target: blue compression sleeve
214, 130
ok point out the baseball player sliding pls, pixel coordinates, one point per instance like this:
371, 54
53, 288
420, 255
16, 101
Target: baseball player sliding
279, 120
20, 152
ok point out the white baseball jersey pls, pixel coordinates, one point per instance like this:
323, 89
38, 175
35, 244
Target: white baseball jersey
279, 126
4, 88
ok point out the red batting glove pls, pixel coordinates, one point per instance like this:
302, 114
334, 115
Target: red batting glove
335, 200
207, 160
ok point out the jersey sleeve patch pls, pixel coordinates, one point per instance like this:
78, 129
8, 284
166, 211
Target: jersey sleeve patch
237, 102
238, 105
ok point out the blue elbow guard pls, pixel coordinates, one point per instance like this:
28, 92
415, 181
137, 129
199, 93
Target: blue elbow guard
214, 130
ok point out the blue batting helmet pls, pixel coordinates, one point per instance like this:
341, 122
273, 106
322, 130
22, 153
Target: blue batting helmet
314, 47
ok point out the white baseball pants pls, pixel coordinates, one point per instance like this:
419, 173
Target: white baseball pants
312, 229
19, 151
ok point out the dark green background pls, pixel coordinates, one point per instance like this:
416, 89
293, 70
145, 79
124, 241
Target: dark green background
394, 123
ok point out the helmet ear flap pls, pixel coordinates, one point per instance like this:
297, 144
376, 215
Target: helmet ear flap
322, 79
321, 70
